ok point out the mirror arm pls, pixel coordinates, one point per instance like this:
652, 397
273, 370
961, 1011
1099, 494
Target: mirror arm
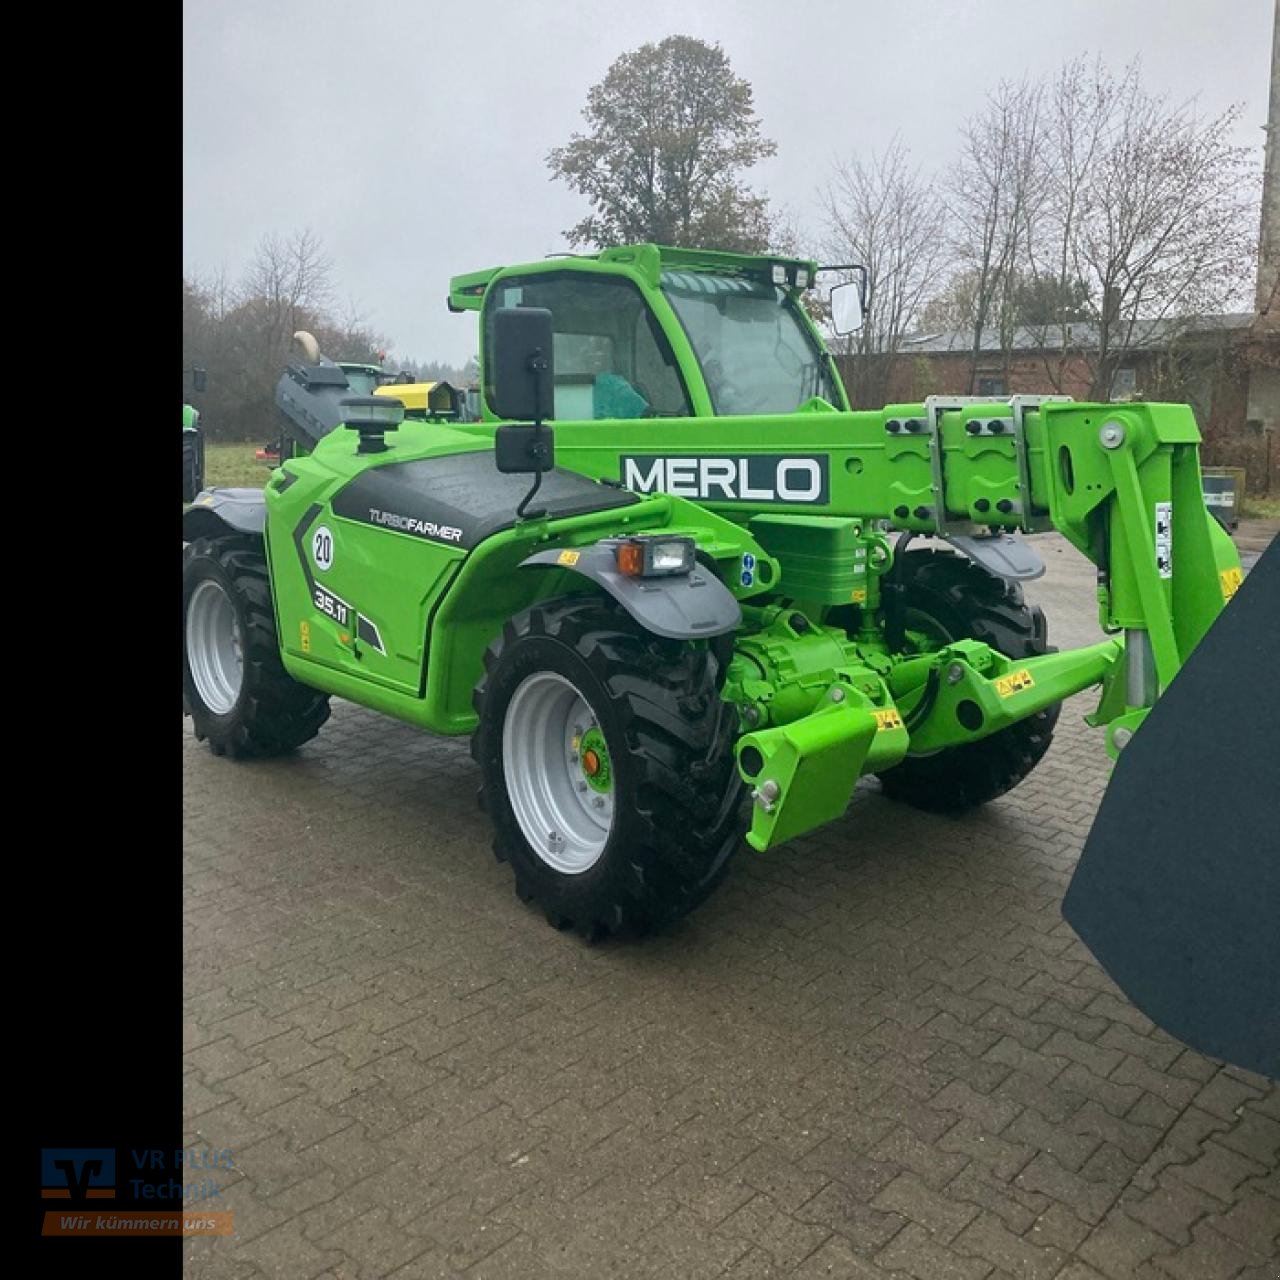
538, 367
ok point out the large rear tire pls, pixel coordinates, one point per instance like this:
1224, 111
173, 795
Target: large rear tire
607, 767
234, 686
953, 598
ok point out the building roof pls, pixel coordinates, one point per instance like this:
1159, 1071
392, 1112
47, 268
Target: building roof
1079, 336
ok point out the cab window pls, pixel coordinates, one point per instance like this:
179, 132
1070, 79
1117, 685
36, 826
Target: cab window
611, 359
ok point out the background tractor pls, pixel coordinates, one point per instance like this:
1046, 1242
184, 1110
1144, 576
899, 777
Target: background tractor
681, 614
361, 379
192, 453
193, 442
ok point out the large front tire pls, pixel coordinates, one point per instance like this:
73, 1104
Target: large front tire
607, 767
952, 598
234, 686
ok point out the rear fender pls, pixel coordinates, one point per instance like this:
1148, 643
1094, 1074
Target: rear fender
217, 512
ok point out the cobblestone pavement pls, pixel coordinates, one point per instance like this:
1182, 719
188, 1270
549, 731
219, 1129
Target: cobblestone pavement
876, 1052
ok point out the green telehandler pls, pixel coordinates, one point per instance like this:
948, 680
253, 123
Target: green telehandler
658, 584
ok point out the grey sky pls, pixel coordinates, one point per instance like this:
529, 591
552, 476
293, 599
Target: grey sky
412, 136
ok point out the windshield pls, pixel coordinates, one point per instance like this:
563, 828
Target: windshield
755, 354
361, 381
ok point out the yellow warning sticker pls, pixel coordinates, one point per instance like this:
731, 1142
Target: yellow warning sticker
304, 636
858, 595
569, 557
888, 719
1015, 682
1231, 580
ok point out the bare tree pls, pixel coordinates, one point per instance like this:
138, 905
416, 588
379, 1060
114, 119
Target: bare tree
882, 213
996, 196
1150, 216
241, 333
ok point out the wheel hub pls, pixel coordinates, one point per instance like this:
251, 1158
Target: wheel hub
215, 649
593, 757
558, 772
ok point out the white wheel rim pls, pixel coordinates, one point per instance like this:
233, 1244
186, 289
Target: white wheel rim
215, 654
565, 819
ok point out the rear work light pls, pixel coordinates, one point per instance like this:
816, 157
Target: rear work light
654, 557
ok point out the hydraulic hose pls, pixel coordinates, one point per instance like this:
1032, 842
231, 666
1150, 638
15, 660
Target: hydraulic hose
893, 593
919, 713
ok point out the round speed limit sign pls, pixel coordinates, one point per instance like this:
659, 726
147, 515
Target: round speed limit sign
322, 548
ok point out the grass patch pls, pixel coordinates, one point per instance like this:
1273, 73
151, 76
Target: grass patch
231, 466
1260, 508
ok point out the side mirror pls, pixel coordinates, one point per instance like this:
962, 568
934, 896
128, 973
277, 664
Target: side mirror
847, 307
199, 379
520, 364
523, 450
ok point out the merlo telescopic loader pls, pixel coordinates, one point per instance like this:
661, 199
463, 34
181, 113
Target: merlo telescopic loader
659, 587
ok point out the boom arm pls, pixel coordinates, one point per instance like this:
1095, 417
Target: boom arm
1121, 482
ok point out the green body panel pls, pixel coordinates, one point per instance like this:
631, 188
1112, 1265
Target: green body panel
190, 417
823, 558
792, 510
436, 607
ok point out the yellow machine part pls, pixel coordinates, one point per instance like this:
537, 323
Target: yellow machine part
413, 395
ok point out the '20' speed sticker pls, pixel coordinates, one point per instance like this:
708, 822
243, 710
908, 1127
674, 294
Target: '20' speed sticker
322, 548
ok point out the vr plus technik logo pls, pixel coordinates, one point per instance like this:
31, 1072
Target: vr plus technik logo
156, 1195
78, 1173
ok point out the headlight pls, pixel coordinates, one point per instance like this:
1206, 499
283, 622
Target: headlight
655, 557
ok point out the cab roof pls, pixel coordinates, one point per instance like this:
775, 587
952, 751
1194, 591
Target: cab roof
649, 261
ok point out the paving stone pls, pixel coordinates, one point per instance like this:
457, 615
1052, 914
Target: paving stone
836, 1260
1210, 1256
988, 1238
842, 1208
1226, 1096
1253, 1222
968, 1138
285, 1252
762, 1223
911, 1198
927, 1160
877, 1051
993, 1114
1219, 1171
1254, 1135
1059, 1227
1119, 1245
373, 1244
1087, 1199
1172, 1209
916, 1252
1068, 1147
712, 1196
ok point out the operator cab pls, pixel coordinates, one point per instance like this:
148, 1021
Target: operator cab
612, 359
756, 354
655, 332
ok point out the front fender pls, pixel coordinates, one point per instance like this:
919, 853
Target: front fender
682, 607
1001, 554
